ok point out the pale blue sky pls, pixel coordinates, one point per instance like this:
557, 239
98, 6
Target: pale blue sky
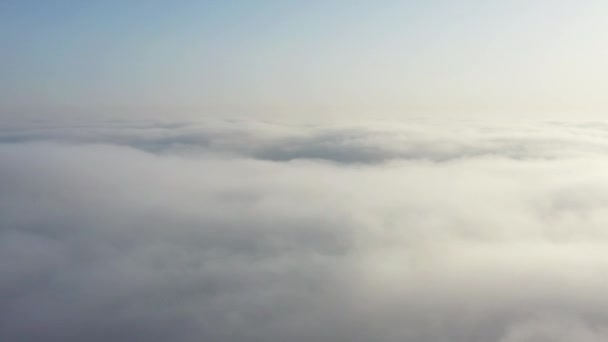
299, 58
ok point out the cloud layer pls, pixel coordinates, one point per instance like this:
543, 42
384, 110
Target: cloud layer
252, 231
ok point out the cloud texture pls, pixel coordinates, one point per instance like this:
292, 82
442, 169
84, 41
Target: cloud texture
252, 231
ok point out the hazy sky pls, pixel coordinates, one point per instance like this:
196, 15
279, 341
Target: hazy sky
297, 58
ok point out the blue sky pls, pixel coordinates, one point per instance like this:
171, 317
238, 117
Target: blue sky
303, 57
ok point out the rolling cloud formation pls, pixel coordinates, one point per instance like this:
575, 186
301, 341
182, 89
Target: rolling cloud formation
253, 231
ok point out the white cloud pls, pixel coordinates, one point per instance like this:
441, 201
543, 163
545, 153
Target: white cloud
259, 232
554, 328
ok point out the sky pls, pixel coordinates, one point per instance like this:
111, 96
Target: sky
270, 171
296, 59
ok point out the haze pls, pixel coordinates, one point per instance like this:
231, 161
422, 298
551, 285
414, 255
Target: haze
295, 171
300, 59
